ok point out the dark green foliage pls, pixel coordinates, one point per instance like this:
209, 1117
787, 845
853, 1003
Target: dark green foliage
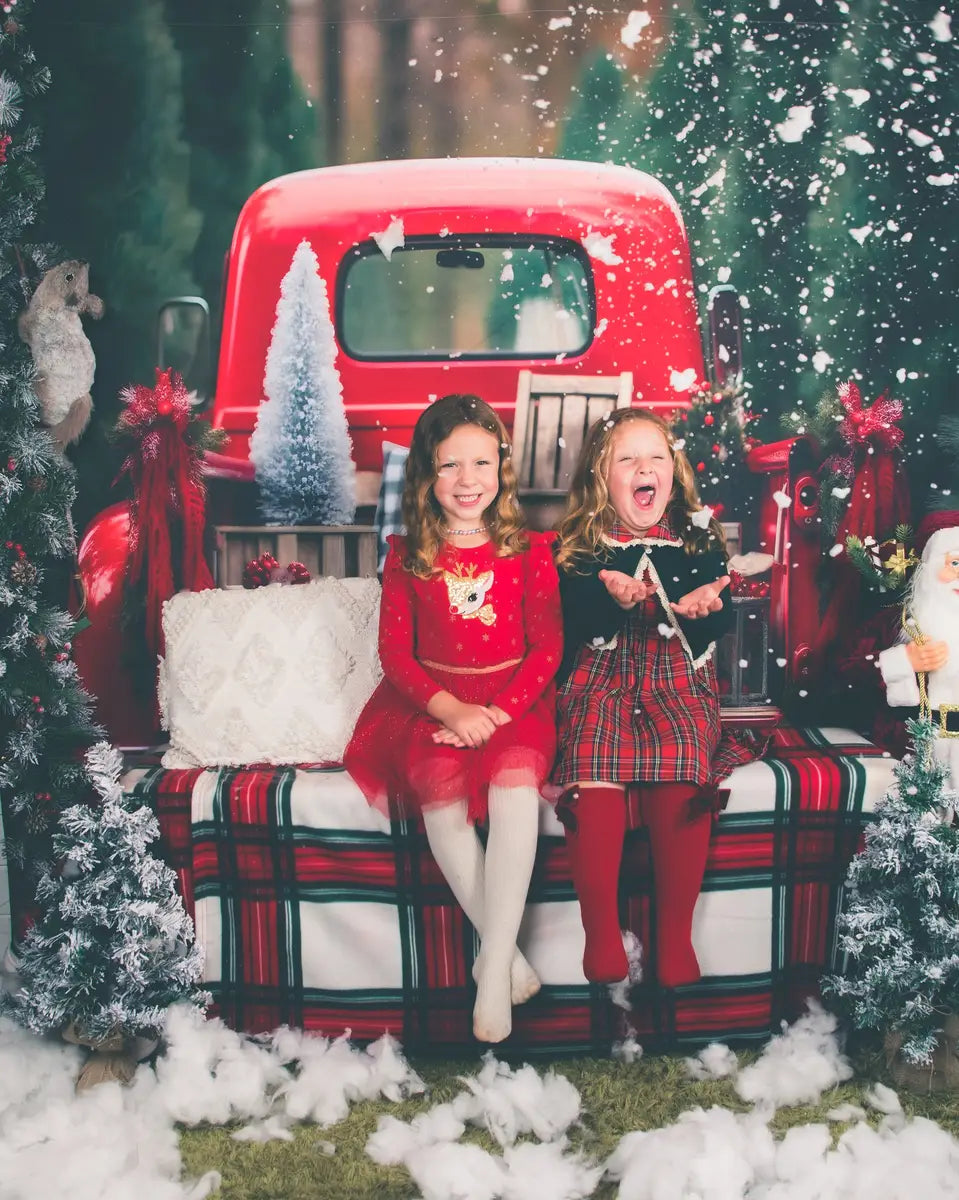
586, 132
116, 167
714, 440
44, 714
883, 232
843, 256
246, 118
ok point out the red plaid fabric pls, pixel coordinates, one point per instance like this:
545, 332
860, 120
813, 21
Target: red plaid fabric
638, 710
316, 912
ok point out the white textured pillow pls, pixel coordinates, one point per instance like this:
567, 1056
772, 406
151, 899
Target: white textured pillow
276, 674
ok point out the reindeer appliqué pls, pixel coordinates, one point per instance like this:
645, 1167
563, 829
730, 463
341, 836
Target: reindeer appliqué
467, 592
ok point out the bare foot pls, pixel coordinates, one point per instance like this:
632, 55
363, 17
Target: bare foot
523, 981
492, 1013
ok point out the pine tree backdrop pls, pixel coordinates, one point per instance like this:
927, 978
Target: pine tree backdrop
810, 153
161, 118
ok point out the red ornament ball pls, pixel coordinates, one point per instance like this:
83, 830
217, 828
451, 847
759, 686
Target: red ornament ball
715, 449
700, 466
708, 419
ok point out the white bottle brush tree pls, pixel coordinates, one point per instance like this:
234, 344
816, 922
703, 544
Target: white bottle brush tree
114, 947
900, 927
301, 446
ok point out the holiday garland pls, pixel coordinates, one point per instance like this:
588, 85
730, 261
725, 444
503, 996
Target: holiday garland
848, 433
884, 565
712, 434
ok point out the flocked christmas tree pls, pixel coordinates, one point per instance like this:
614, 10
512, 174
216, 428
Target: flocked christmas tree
45, 720
114, 947
301, 446
900, 929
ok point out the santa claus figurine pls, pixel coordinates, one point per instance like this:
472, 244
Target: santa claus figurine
930, 645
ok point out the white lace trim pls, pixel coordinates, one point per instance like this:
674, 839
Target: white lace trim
646, 564
642, 541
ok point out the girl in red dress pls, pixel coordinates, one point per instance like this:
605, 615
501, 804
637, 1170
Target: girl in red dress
462, 727
642, 572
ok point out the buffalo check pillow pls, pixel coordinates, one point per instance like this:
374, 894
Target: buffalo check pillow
389, 506
274, 675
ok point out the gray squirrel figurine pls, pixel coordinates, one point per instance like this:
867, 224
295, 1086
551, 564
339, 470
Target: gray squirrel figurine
61, 351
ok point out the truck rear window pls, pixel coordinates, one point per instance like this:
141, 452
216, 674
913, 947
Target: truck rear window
448, 297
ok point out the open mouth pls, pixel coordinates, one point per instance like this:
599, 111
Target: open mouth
466, 501
644, 496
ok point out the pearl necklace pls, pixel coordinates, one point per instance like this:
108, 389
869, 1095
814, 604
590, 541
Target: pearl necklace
464, 532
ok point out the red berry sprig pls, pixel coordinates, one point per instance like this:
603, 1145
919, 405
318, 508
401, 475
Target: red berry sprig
265, 569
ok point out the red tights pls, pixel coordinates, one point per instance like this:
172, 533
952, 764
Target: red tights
679, 844
595, 822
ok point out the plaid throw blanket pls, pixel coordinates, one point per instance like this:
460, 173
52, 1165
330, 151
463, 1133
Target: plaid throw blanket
316, 912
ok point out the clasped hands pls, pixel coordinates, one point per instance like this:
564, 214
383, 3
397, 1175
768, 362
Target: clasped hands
464, 725
628, 591
930, 656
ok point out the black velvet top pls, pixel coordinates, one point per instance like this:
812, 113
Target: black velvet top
591, 616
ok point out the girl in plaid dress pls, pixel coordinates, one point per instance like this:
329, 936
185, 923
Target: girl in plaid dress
642, 575
463, 726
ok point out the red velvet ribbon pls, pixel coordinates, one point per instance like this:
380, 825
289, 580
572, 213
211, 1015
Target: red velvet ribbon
167, 488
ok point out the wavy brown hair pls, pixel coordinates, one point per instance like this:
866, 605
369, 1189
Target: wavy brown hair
590, 514
423, 516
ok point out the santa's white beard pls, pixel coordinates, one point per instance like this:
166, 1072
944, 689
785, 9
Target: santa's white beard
935, 609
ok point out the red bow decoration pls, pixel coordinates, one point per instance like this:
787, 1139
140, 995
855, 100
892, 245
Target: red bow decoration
168, 491
263, 570
862, 425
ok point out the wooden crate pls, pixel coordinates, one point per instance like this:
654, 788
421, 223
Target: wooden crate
343, 551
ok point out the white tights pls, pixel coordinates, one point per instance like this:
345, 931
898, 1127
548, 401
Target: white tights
492, 891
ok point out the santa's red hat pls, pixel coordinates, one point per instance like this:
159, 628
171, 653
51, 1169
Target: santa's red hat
932, 522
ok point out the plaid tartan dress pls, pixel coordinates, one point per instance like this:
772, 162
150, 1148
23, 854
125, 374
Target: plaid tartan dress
643, 706
639, 711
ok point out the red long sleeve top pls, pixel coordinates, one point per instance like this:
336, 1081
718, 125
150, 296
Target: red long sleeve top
476, 611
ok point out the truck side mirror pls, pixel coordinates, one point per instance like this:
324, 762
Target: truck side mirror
725, 335
183, 343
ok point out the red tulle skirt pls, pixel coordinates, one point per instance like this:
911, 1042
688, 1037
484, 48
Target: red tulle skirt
401, 770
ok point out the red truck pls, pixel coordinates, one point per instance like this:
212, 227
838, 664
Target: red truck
457, 275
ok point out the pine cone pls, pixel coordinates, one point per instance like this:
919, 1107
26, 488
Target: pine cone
23, 572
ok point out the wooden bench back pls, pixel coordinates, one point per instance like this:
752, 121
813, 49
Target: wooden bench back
553, 415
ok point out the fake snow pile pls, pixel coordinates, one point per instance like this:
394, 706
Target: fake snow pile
121, 1144
113, 1143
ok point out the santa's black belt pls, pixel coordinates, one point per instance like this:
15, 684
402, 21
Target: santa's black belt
946, 720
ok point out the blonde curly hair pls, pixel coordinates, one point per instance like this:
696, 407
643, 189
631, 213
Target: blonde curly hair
423, 516
590, 513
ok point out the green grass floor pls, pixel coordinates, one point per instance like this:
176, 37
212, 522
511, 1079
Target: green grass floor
616, 1099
